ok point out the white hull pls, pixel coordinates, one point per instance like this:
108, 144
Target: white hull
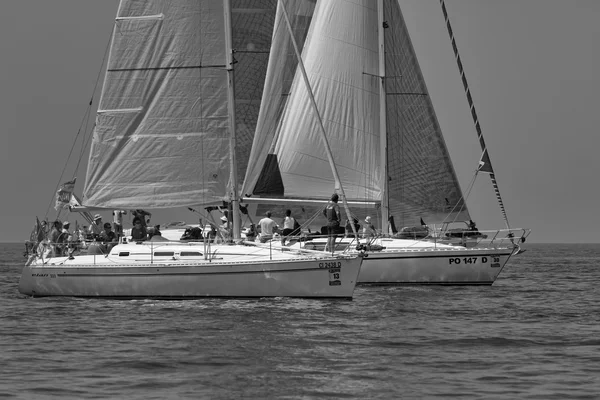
233, 273
414, 262
433, 267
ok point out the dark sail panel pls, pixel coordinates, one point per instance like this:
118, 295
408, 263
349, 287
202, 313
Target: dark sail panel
422, 180
270, 182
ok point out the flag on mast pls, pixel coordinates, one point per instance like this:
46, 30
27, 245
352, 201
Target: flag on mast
63, 194
485, 165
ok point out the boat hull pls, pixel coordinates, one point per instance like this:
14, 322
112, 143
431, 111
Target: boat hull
433, 267
333, 277
414, 262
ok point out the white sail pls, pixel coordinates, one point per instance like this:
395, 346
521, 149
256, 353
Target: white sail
161, 136
281, 70
341, 59
335, 58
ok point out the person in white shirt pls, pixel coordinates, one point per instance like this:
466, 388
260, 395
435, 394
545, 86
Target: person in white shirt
118, 222
369, 229
224, 229
267, 228
288, 226
97, 227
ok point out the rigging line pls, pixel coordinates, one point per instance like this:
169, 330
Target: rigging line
83, 121
465, 197
464, 200
474, 113
96, 84
82, 149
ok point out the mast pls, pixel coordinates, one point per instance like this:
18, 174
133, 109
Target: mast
382, 120
233, 190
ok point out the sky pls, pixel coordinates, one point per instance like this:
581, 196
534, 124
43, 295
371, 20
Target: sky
531, 65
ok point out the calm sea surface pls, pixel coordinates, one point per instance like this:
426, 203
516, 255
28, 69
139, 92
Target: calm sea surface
534, 334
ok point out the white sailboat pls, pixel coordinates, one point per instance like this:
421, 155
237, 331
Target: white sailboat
165, 137
373, 105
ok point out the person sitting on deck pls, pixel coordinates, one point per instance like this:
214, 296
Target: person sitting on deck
251, 233
138, 232
224, 232
156, 235
349, 231
369, 229
95, 228
194, 233
108, 237
267, 228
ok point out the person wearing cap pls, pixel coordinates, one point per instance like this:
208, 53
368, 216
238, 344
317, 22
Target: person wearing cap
65, 235
369, 229
95, 228
267, 227
224, 228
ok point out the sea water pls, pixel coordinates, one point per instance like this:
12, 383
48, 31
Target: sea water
534, 334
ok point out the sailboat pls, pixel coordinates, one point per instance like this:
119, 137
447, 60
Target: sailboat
165, 137
358, 81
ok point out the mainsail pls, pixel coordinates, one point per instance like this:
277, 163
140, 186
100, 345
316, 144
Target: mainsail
161, 135
341, 59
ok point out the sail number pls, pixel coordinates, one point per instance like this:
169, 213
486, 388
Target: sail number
334, 277
472, 260
331, 264
44, 275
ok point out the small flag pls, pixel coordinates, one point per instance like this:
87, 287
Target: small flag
423, 222
38, 233
485, 164
63, 194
